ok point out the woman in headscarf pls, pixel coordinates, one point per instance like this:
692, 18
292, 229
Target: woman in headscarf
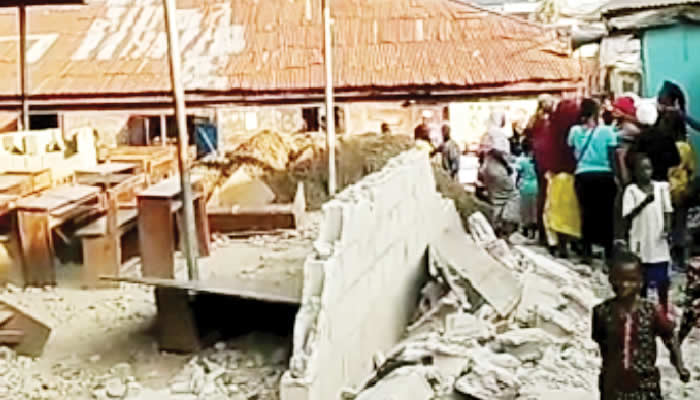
496, 175
595, 182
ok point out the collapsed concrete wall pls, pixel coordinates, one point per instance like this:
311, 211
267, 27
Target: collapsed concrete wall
362, 283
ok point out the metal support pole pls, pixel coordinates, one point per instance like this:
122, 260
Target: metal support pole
330, 110
190, 237
163, 128
24, 69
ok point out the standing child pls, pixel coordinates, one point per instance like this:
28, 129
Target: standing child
527, 185
625, 328
646, 207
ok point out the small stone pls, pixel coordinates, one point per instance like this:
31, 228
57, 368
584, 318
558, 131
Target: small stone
7, 354
95, 358
220, 346
122, 370
116, 388
180, 387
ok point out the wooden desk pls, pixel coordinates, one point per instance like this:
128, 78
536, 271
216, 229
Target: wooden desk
39, 179
104, 170
102, 250
16, 185
157, 207
38, 215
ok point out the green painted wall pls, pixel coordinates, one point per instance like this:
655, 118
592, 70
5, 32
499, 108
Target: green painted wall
673, 54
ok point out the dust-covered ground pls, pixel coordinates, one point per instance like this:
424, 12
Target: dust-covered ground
103, 342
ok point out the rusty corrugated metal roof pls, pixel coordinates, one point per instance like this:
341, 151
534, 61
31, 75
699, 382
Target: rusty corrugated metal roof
17, 3
616, 6
119, 47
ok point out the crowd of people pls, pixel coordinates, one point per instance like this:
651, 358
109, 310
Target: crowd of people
619, 174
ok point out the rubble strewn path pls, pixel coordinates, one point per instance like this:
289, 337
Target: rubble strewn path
462, 344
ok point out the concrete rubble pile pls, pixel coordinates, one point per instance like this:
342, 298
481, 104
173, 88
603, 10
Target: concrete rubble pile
231, 373
495, 322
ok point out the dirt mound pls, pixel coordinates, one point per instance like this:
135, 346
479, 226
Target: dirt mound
465, 201
283, 160
267, 149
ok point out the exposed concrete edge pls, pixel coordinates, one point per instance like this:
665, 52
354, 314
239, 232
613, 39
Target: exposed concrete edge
324, 275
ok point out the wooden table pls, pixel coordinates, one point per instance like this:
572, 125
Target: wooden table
156, 162
104, 170
16, 185
38, 215
157, 207
39, 179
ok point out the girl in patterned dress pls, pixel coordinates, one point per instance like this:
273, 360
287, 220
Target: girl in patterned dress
625, 328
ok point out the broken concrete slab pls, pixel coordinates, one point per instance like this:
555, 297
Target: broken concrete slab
527, 344
548, 268
400, 386
464, 325
240, 189
485, 381
566, 394
477, 270
481, 229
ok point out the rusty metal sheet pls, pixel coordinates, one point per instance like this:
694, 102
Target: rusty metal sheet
108, 47
17, 3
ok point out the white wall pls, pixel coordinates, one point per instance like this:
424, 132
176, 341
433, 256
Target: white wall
358, 298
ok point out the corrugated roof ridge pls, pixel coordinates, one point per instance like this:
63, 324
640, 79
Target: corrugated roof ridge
615, 6
467, 3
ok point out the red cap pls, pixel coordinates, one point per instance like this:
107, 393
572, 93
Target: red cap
625, 105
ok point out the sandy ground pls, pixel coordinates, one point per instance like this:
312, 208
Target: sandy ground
104, 337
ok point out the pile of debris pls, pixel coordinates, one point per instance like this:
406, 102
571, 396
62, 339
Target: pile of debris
281, 161
234, 371
494, 322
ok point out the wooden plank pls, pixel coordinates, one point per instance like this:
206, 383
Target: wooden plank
58, 197
17, 185
167, 188
37, 249
202, 226
156, 237
251, 290
102, 180
40, 178
126, 219
7, 203
246, 220
15, 275
35, 333
177, 329
101, 256
109, 168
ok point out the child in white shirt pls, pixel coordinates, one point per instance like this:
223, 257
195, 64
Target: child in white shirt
647, 209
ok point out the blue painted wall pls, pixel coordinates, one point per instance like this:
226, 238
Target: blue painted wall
673, 54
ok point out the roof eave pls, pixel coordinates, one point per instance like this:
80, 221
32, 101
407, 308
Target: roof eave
119, 101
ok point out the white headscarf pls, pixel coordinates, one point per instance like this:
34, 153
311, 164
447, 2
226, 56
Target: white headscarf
496, 133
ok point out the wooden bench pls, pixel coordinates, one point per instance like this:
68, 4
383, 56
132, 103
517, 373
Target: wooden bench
102, 250
38, 216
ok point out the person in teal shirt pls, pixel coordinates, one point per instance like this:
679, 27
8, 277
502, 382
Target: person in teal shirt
527, 186
596, 189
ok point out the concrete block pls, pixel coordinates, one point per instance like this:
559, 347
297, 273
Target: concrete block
314, 277
493, 281
411, 386
292, 389
349, 230
333, 282
332, 223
